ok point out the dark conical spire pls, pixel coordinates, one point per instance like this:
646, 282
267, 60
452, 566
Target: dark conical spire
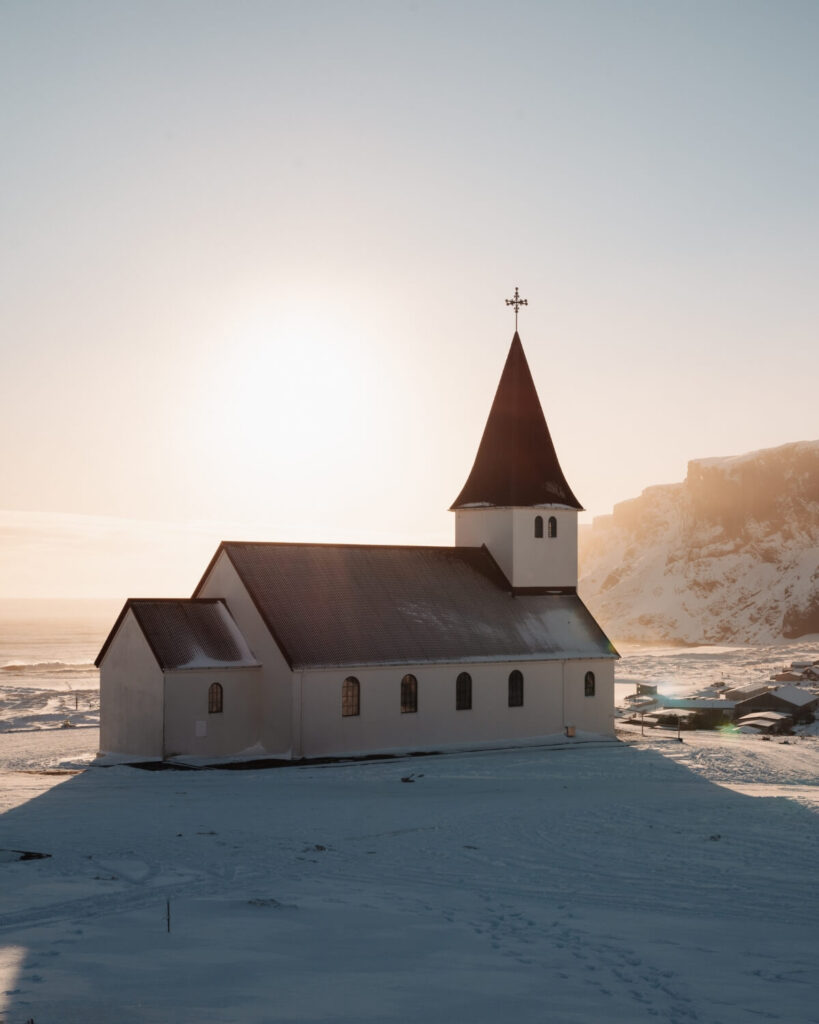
516, 464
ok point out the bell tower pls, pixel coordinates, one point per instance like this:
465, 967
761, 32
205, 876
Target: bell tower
516, 499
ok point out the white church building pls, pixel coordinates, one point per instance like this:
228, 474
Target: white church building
322, 650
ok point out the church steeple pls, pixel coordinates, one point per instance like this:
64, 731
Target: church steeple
516, 465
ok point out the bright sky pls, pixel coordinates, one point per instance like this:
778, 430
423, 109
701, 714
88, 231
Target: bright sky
255, 256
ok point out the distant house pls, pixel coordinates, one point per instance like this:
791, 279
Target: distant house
313, 650
800, 671
790, 700
700, 712
788, 676
738, 693
772, 722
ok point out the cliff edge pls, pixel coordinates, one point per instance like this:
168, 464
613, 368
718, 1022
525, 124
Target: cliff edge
729, 555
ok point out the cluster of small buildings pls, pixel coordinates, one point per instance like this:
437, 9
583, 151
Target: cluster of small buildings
789, 698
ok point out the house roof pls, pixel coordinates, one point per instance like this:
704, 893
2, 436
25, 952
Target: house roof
187, 634
793, 695
749, 690
764, 716
331, 605
516, 464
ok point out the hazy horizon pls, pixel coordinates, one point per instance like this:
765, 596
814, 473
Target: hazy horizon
257, 259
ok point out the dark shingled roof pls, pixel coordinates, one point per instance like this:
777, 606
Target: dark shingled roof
516, 464
187, 633
344, 605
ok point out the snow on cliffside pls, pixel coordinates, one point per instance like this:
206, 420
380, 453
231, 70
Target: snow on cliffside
729, 555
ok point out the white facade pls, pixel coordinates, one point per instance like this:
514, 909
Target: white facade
189, 726
511, 534
278, 710
553, 698
132, 695
300, 710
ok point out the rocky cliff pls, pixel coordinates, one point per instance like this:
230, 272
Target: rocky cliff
729, 555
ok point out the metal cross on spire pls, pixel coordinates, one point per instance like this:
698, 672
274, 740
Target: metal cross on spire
517, 302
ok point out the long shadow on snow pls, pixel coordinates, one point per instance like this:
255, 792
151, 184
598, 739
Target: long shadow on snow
615, 827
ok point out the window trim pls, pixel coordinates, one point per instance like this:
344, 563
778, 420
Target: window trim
350, 698
409, 694
538, 527
216, 699
463, 692
589, 685
515, 688
552, 526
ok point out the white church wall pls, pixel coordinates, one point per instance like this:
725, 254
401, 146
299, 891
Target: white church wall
131, 685
526, 560
191, 729
544, 561
489, 526
381, 726
593, 714
276, 706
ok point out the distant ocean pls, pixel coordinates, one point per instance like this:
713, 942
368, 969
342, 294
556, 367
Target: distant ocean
52, 644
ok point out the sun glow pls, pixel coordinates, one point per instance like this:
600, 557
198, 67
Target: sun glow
299, 394
301, 384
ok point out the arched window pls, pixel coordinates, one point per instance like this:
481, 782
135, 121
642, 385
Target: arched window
538, 526
409, 695
350, 697
515, 689
463, 692
588, 684
552, 526
215, 699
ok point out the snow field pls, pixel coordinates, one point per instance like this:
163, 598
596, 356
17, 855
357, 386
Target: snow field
609, 882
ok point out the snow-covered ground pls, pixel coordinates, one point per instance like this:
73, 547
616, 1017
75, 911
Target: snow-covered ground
632, 880
582, 882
